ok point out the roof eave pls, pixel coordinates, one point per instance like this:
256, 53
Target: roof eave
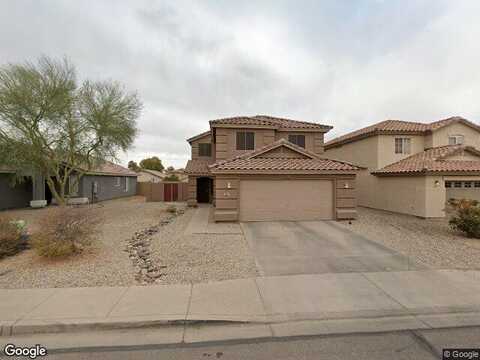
328, 145
243, 126
284, 172
199, 136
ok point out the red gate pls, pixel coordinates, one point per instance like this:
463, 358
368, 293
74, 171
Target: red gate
170, 192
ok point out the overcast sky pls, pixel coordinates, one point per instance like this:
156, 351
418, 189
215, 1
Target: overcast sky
342, 63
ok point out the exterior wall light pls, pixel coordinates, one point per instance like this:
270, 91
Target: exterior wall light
346, 186
437, 183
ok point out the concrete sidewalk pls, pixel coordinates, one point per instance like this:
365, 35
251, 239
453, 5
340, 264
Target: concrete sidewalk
289, 305
202, 223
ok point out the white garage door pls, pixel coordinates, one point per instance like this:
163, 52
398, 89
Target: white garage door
275, 200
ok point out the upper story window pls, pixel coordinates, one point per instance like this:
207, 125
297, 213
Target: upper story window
455, 139
402, 145
297, 139
245, 140
205, 149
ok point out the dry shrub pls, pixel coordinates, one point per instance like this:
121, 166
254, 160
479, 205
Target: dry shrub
11, 239
172, 209
65, 230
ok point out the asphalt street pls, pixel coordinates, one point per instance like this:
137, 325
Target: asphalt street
418, 345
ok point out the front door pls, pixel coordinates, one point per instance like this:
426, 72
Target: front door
204, 190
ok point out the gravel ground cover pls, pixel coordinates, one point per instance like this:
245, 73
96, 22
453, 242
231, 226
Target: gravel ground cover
431, 242
106, 264
200, 257
181, 258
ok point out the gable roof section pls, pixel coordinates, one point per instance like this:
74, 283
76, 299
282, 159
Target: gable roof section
434, 160
253, 161
393, 127
199, 136
109, 168
268, 122
197, 167
155, 173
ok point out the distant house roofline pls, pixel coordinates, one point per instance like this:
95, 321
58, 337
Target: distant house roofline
397, 127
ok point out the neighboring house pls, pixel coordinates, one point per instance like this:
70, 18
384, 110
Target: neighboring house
413, 168
108, 181
16, 195
263, 168
153, 176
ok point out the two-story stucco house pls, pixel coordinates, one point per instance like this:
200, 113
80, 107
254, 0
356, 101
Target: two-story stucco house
411, 167
262, 168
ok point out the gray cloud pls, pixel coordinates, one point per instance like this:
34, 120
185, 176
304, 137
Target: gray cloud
347, 64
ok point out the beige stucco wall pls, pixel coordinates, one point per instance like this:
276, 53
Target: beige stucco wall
440, 136
313, 140
386, 148
226, 146
414, 195
194, 145
362, 152
226, 141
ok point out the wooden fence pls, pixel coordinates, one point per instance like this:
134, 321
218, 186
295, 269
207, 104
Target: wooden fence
163, 191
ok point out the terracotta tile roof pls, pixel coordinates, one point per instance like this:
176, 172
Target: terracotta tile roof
434, 160
109, 168
311, 162
396, 127
285, 164
270, 121
197, 167
199, 136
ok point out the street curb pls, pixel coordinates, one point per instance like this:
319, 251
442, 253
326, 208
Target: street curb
277, 328
64, 326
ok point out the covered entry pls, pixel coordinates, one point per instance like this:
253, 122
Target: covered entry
276, 200
204, 190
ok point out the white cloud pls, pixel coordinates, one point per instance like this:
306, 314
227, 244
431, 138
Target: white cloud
347, 64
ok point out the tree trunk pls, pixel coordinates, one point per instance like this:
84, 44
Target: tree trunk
53, 190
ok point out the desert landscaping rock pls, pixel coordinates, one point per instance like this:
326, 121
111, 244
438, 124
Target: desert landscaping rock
194, 258
430, 241
106, 264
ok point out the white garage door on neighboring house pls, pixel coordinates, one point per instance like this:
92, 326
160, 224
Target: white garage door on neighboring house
275, 200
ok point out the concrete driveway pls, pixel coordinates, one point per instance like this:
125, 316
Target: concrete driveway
317, 247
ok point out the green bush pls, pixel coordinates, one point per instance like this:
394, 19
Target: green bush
172, 209
65, 231
467, 218
11, 239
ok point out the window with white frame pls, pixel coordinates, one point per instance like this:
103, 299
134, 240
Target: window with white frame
402, 145
118, 181
448, 184
73, 185
455, 139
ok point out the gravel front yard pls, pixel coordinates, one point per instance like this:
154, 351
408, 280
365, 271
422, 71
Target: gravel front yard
431, 242
106, 264
200, 257
182, 258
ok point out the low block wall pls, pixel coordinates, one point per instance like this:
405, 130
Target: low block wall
156, 191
